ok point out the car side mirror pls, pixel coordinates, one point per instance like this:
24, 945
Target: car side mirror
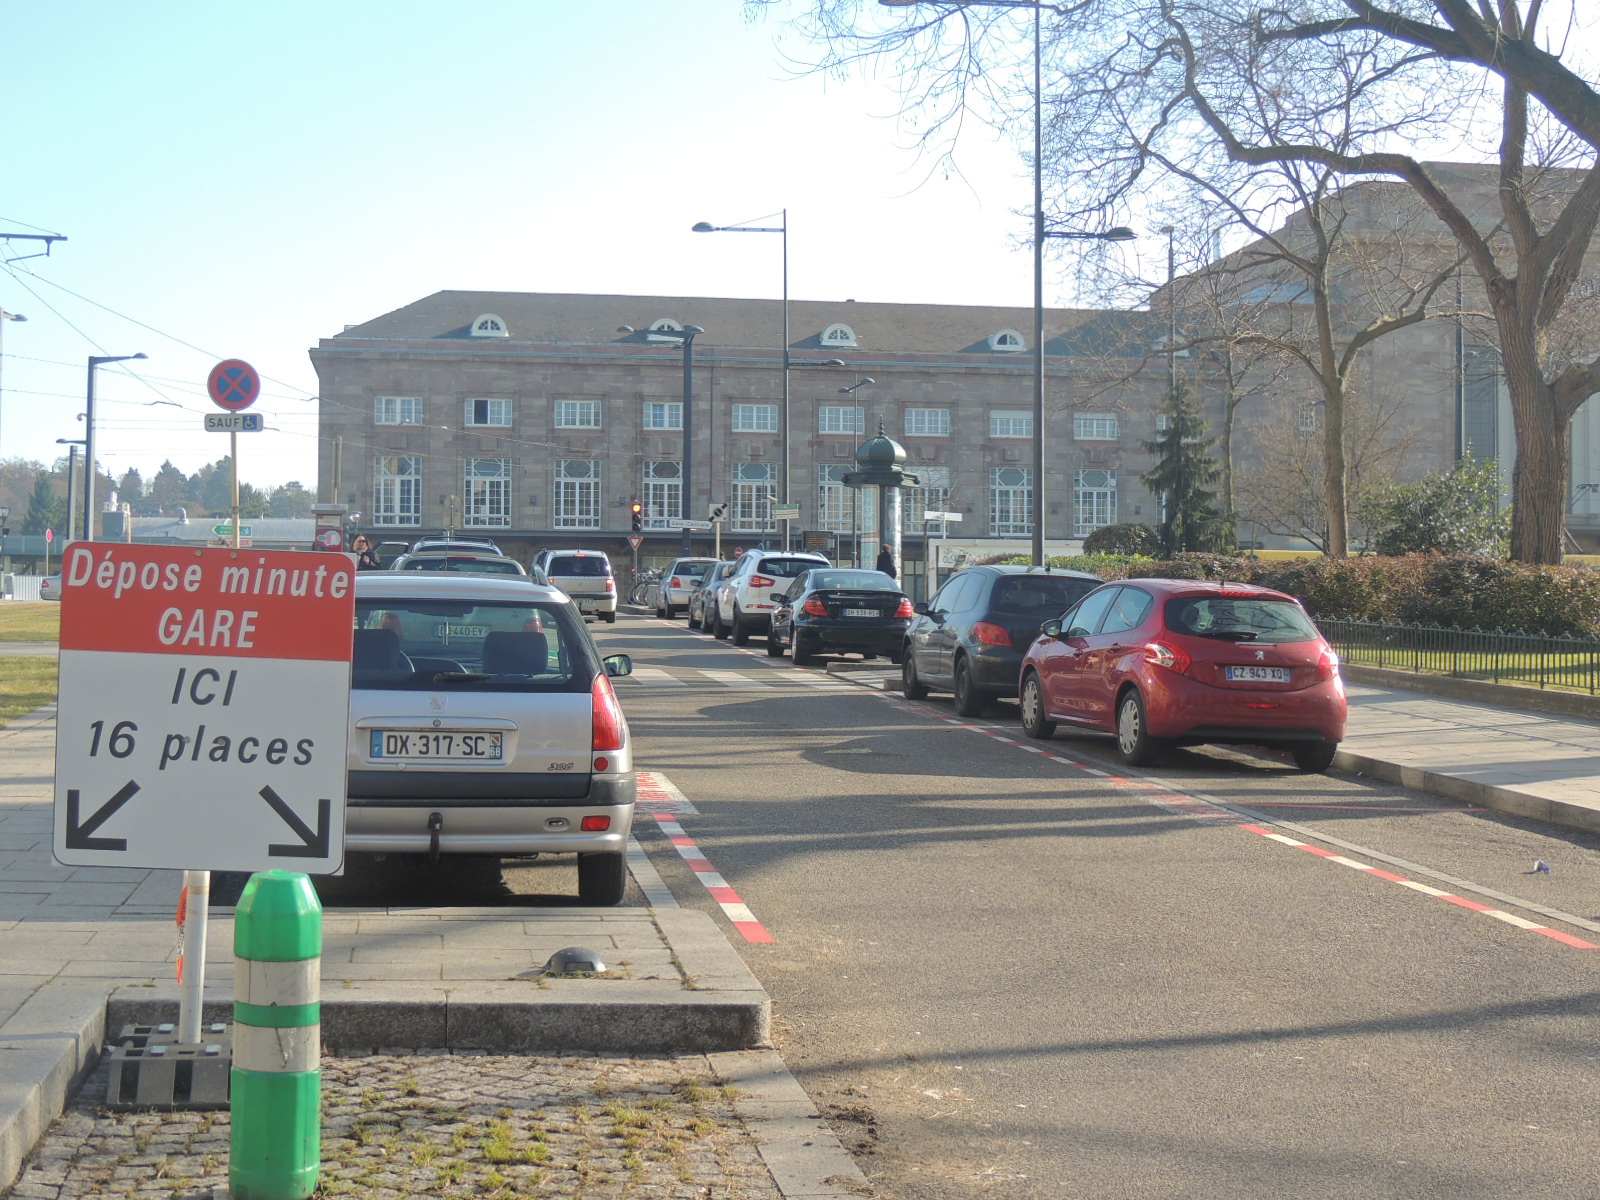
776, 596
921, 606
1051, 629
1078, 631
617, 664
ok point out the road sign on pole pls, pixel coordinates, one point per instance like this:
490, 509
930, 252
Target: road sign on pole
635, 541
233, 384
235, 422
204, 700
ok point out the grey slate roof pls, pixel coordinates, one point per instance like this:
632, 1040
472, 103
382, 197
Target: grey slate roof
569, 319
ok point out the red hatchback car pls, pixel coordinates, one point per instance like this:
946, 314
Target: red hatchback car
1173, 661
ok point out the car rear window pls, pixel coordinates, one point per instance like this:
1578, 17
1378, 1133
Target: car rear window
858, 581
1048, 593
1240, 619
588, 564
787, 567
466, 565
693, 570
433, 645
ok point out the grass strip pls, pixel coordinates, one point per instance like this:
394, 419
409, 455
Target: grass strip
31, 621
26, 683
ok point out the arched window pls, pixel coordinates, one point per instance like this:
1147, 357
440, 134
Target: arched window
838, 335
489, 325
1007, 341
666, 325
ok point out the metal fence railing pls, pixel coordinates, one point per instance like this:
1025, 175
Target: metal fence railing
1530, 659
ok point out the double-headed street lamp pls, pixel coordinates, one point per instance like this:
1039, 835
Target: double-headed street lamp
1120, 234
95, 361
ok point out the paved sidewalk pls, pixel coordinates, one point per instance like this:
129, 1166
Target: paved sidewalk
84, 951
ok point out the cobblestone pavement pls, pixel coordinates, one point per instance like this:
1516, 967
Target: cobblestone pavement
440, 1125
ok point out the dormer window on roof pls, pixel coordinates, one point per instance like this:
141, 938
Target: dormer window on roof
489, 325
666, 325
838, 335
1007, 341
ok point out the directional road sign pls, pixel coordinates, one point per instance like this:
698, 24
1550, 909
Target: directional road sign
786, 512
930, 515
235, 422
233, 384
679, 523
226, 530
204, 699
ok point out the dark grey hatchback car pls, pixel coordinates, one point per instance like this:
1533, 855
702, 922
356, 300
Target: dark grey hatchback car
970, 638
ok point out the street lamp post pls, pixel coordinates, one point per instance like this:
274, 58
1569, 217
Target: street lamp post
1040, 234
855, 493
9, 316
95, 361
783, 413
72, 445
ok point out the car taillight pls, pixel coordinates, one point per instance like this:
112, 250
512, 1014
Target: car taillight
815, 607
905, 610
761, 581
1327, 664
1173, 658
991, 635
610, 727
595, 824
676, 582
611, 584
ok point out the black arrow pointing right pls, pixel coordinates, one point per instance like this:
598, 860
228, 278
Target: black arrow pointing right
78, 834
312, 844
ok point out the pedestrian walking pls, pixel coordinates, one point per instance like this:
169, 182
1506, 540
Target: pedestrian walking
366, 557
886, 563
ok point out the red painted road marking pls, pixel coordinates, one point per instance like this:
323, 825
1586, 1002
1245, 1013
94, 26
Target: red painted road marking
1197, 809
727, 899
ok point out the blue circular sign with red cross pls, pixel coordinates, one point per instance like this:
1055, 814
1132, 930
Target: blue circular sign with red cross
234, 384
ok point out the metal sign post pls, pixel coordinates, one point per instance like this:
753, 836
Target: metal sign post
203, 704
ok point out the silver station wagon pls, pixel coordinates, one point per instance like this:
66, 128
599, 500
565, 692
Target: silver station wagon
483, 722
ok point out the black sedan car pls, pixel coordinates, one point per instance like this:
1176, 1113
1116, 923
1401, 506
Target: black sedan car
839, 610
970, 638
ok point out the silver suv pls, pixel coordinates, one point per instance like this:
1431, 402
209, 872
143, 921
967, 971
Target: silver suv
483, 722
585, 575
744, 601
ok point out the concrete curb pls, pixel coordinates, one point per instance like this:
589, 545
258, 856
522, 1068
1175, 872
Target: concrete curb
1501, 695
51, 1043
1469, 791
805, 1158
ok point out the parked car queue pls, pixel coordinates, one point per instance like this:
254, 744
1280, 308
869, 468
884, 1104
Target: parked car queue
1152, 662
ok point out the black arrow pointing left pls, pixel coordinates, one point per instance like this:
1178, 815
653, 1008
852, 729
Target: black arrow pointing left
78, 833
313, 843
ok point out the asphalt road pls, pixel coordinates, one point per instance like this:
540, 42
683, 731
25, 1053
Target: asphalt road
1008, 973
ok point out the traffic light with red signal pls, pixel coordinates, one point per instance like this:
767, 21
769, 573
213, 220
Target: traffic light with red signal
638, 517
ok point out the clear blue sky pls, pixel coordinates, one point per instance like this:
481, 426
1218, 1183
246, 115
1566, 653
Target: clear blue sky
238, 180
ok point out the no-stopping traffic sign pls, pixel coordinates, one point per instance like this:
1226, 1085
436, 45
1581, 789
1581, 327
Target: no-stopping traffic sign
233, 384
204, 701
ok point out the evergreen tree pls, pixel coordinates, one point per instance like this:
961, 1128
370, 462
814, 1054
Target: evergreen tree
1451, 511
130, 488
290, 500
1183, 479
41, 506
169, 488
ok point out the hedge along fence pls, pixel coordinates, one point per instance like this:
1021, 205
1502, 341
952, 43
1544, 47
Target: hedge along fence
1413, 589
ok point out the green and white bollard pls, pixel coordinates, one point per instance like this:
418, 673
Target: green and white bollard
276, 1136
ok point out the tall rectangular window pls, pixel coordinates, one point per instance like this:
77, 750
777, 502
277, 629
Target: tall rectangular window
1095, 427
577, 414
1010, 501
927, 422
397, 490
663, 415
1094, 501
1010, 423
397, 410
754, 486
835, 501
836, 418
486, 492
663, 493
488, 412
577, 491
755, 418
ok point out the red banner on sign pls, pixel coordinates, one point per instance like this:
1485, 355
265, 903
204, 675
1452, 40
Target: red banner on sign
239, 603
